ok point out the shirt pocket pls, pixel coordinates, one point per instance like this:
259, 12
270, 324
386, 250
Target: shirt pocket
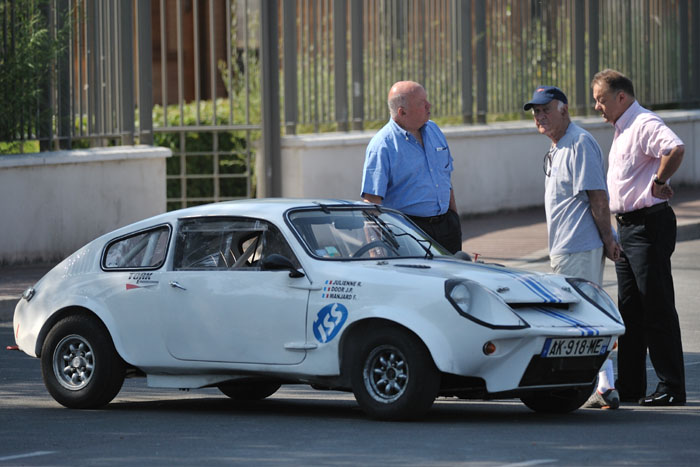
444, 161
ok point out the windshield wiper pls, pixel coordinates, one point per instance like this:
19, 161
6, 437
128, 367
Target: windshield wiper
389, 236
428, 253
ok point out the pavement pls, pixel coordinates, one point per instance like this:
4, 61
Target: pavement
513, 238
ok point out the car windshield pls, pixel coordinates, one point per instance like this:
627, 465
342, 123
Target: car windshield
354, 233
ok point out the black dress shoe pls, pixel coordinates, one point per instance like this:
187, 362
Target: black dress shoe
626, 397
661, 399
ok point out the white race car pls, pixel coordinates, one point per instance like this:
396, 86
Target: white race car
249, 295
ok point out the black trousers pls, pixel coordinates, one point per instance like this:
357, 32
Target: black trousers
445, 229
647, 303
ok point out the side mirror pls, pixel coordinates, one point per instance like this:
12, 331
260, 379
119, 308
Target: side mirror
277, 262
463, 256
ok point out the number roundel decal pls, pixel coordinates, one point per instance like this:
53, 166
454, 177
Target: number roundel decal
329, 321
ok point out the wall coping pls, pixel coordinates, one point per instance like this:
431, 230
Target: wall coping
353, 138
78, 156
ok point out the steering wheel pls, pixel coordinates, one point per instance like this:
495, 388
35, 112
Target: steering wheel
375, 244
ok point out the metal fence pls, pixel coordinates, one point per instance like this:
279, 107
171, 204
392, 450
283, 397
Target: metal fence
217, 81
479, 60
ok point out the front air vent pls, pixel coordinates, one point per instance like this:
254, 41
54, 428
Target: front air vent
555, 306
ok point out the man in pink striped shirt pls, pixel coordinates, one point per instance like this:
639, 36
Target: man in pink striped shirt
645, 153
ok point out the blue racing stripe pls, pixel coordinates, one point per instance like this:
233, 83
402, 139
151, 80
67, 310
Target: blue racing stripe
586, 329
534, 286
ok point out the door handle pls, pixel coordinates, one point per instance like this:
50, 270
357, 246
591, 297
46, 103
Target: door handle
176, 285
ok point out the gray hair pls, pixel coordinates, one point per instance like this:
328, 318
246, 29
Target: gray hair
398, 100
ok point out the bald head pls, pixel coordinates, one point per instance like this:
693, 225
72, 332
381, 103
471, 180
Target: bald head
408, 105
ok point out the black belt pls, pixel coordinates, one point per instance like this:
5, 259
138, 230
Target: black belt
431, 219
637, 216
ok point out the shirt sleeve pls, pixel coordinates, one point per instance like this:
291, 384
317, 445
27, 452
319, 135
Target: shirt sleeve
588, 172
657, 139
376, 171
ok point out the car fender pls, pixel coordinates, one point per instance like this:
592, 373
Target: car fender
81, 304
421, 325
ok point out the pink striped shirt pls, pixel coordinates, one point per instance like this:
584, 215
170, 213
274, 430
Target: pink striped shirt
641, 138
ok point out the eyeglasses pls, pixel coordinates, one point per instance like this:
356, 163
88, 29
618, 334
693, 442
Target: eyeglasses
547, 163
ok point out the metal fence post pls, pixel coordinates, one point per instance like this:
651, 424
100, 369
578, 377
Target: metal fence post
580, 56
145, 51
290, 65
593, 47
684, 57
45, 110
695, 52
358, 93
467, 92
63, 78
126, 72
92, 62
271, 178
340, 63
481, 62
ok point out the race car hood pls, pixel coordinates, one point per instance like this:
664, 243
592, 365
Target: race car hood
514, 286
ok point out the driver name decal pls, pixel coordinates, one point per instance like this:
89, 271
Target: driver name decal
329, 321
340, 289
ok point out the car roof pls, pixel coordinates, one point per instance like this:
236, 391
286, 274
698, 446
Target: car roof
263, 206
272, 209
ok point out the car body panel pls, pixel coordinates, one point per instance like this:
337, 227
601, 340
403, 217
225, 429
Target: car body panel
207, 324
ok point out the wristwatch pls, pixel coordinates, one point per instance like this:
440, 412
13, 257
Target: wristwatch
658, 182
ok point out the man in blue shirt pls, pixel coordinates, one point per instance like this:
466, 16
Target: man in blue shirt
408, 167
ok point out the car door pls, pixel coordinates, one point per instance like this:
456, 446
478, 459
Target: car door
221, 307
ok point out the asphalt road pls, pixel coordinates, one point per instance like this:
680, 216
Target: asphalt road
298, 425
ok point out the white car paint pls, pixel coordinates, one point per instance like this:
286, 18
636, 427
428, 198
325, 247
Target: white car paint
190, 328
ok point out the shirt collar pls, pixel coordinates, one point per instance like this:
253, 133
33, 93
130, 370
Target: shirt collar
405, 133
626, 118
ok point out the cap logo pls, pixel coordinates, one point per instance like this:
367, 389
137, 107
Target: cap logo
540, 90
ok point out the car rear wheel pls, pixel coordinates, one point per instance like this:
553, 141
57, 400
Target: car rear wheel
79, 364
559, 401
393, 375
249, 391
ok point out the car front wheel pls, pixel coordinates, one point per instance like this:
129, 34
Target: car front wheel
558, 401
393, 375
79, 364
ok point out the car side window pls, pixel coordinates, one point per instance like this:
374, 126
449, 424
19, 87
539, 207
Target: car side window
227, 244
142, 250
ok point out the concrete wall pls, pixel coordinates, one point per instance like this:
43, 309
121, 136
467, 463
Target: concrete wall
52, 203
497, 166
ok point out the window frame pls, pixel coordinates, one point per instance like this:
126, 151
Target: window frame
114, 241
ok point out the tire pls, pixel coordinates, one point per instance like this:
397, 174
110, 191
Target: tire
249, 391
79, 364
393, 375
559, 401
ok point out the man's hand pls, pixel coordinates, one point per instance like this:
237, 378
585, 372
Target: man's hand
661, 191
613, 250
601, 217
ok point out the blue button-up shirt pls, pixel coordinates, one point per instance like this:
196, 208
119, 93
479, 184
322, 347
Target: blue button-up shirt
409, 177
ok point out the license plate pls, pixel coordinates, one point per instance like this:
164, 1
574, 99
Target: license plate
575, 347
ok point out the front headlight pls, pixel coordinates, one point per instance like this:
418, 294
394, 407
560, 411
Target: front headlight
597, 296
481, 305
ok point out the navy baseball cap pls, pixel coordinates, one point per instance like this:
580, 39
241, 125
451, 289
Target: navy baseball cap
544, 95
